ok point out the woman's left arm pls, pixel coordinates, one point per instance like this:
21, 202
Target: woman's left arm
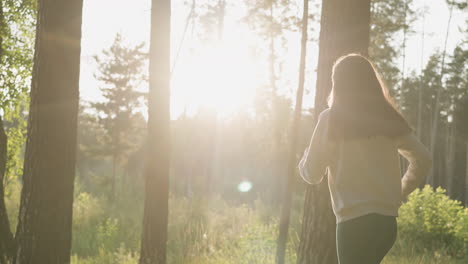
314, 162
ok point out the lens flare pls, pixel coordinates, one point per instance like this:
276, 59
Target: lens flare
244, 186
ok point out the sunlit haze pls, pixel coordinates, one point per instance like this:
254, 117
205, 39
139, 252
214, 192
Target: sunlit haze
223, 74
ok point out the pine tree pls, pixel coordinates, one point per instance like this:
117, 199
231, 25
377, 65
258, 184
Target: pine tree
271, 20
388, 20
121, 74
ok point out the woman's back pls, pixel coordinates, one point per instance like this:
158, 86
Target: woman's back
364, 173
357, 141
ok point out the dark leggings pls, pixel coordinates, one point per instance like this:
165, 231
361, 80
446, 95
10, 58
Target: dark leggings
365, 239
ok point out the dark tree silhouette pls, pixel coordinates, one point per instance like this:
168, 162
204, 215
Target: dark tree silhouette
6, 237
291, 172
154, 237
45, 218
344, 29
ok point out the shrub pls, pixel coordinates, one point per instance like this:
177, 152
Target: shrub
87, 217
431, 222
121, 256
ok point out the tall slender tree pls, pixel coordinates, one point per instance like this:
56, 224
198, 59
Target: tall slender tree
45, 218
291, 173
436, 111
6, 239
344, 29
271, 20
16, 28
154, 237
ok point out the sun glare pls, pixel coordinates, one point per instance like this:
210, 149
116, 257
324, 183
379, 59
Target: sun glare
244, 186
219, 77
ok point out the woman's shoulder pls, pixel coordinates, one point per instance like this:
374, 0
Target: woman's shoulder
324, 114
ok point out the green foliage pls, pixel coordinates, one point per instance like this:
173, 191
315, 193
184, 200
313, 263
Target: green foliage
121, 74
87, 218
389, 18
272, 18
12, 201
107, 234
432, 222
457, 84
199, 232
114, 128
15, 125
17, 44
106, 257
422, 258
429, 83
17, 40
431, 230
100, 227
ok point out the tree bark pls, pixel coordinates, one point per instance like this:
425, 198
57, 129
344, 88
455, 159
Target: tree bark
154, 237
45, 217
436, 114
421, 75
292, 162
6, 236
344, 29
114, 177
450, 148
466, 176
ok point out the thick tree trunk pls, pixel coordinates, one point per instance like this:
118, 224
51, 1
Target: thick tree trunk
45, 217
344, 29
292, 162
154, 237
6, 236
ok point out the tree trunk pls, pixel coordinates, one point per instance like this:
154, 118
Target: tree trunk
277, 168
466, 176
6, 237
436, 114
450, 158
221, 14
113, 177
292, 162
45, 216
344, 29
154, 237
421, 76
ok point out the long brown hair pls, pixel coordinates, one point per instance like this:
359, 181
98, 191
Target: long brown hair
360, 104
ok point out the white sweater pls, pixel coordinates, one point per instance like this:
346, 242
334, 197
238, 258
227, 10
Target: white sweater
364, 174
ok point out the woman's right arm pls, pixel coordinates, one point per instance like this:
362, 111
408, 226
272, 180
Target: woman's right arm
420, 163
313, 164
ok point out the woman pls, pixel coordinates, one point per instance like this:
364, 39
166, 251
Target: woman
358, 140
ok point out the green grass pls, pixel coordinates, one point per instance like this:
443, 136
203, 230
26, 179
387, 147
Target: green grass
217, 232
422, 259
